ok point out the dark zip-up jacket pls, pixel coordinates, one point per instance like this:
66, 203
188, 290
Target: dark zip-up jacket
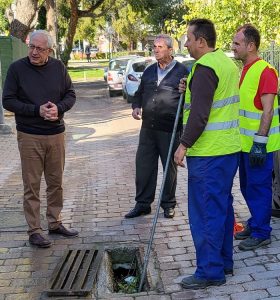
27, 87
159, 102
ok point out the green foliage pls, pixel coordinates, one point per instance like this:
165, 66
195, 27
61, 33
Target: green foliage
4, 25
163, 13
42, 19
128, 288
228, 15
86, 30
63, 17
131, 28
85, 74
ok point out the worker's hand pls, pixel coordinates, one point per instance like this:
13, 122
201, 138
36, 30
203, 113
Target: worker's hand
180, 155
182, 85
257, 155
137, 113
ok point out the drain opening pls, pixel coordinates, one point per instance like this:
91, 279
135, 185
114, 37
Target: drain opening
126, 270
120, 271
126, 276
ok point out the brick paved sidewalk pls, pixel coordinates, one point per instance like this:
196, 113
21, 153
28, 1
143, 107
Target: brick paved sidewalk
99, 189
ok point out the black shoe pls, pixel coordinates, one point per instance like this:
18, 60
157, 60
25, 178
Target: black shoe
228, 272
64, 231
137, 211
252, 243
195, 283
169, 212
38, 240
244, 234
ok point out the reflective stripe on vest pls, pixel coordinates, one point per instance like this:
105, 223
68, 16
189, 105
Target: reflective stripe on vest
251, 133
222, 125
219, 103
254, 115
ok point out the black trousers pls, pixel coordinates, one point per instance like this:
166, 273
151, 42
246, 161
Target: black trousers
152, 145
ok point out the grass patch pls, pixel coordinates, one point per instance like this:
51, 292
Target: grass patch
85, 74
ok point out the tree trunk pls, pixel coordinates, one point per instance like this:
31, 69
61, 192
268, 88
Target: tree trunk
65, 56
23, 18
52, 24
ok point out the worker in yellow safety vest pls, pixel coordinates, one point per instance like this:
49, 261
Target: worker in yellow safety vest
211, 143
259, 128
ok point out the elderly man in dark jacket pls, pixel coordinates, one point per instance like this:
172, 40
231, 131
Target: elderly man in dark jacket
156, 102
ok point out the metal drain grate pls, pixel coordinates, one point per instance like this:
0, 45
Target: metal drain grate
75, 273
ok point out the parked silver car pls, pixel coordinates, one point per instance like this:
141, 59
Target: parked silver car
132, 75
115, 73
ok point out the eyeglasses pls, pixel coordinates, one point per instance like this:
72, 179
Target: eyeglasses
38, 49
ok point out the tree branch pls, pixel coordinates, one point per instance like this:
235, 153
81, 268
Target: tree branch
93, 7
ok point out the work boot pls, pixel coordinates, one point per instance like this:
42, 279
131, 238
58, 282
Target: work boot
244, 234
252, 243
195, 283
228, 272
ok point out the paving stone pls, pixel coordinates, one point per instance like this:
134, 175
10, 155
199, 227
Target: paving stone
272, 266
266, 275
237, 279
250, 270
261, 260
274, 291
185, 295
260, 284
252, 295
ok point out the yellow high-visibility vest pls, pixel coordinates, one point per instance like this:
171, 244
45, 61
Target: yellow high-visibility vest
221, 134
250, 116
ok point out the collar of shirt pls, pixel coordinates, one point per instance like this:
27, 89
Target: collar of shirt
163, 72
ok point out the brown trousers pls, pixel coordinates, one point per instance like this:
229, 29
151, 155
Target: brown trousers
42, 154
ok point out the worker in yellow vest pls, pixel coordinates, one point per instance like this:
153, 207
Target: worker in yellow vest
211, 142
259, 128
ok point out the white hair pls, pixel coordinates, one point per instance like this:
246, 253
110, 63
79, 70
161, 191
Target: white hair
45, 34
167, 38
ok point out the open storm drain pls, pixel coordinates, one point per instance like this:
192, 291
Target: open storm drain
76, 272
121, 270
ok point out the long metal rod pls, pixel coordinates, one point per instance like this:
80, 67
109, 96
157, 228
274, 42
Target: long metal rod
148, 251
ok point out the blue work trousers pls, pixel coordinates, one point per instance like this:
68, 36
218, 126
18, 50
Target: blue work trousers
256, 188
211, 214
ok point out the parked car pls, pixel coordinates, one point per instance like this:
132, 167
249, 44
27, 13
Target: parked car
132, 75
185, 60
115, 73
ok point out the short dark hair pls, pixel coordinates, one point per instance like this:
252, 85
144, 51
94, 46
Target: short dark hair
251, 34
204, 28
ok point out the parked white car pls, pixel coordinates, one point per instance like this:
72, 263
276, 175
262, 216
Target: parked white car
185, 60
132, 75
116, 69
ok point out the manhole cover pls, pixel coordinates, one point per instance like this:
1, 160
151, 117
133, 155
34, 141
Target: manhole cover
75, 273
11, 219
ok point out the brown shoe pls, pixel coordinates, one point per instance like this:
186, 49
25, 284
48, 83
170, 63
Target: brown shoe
64, 231
38, 240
